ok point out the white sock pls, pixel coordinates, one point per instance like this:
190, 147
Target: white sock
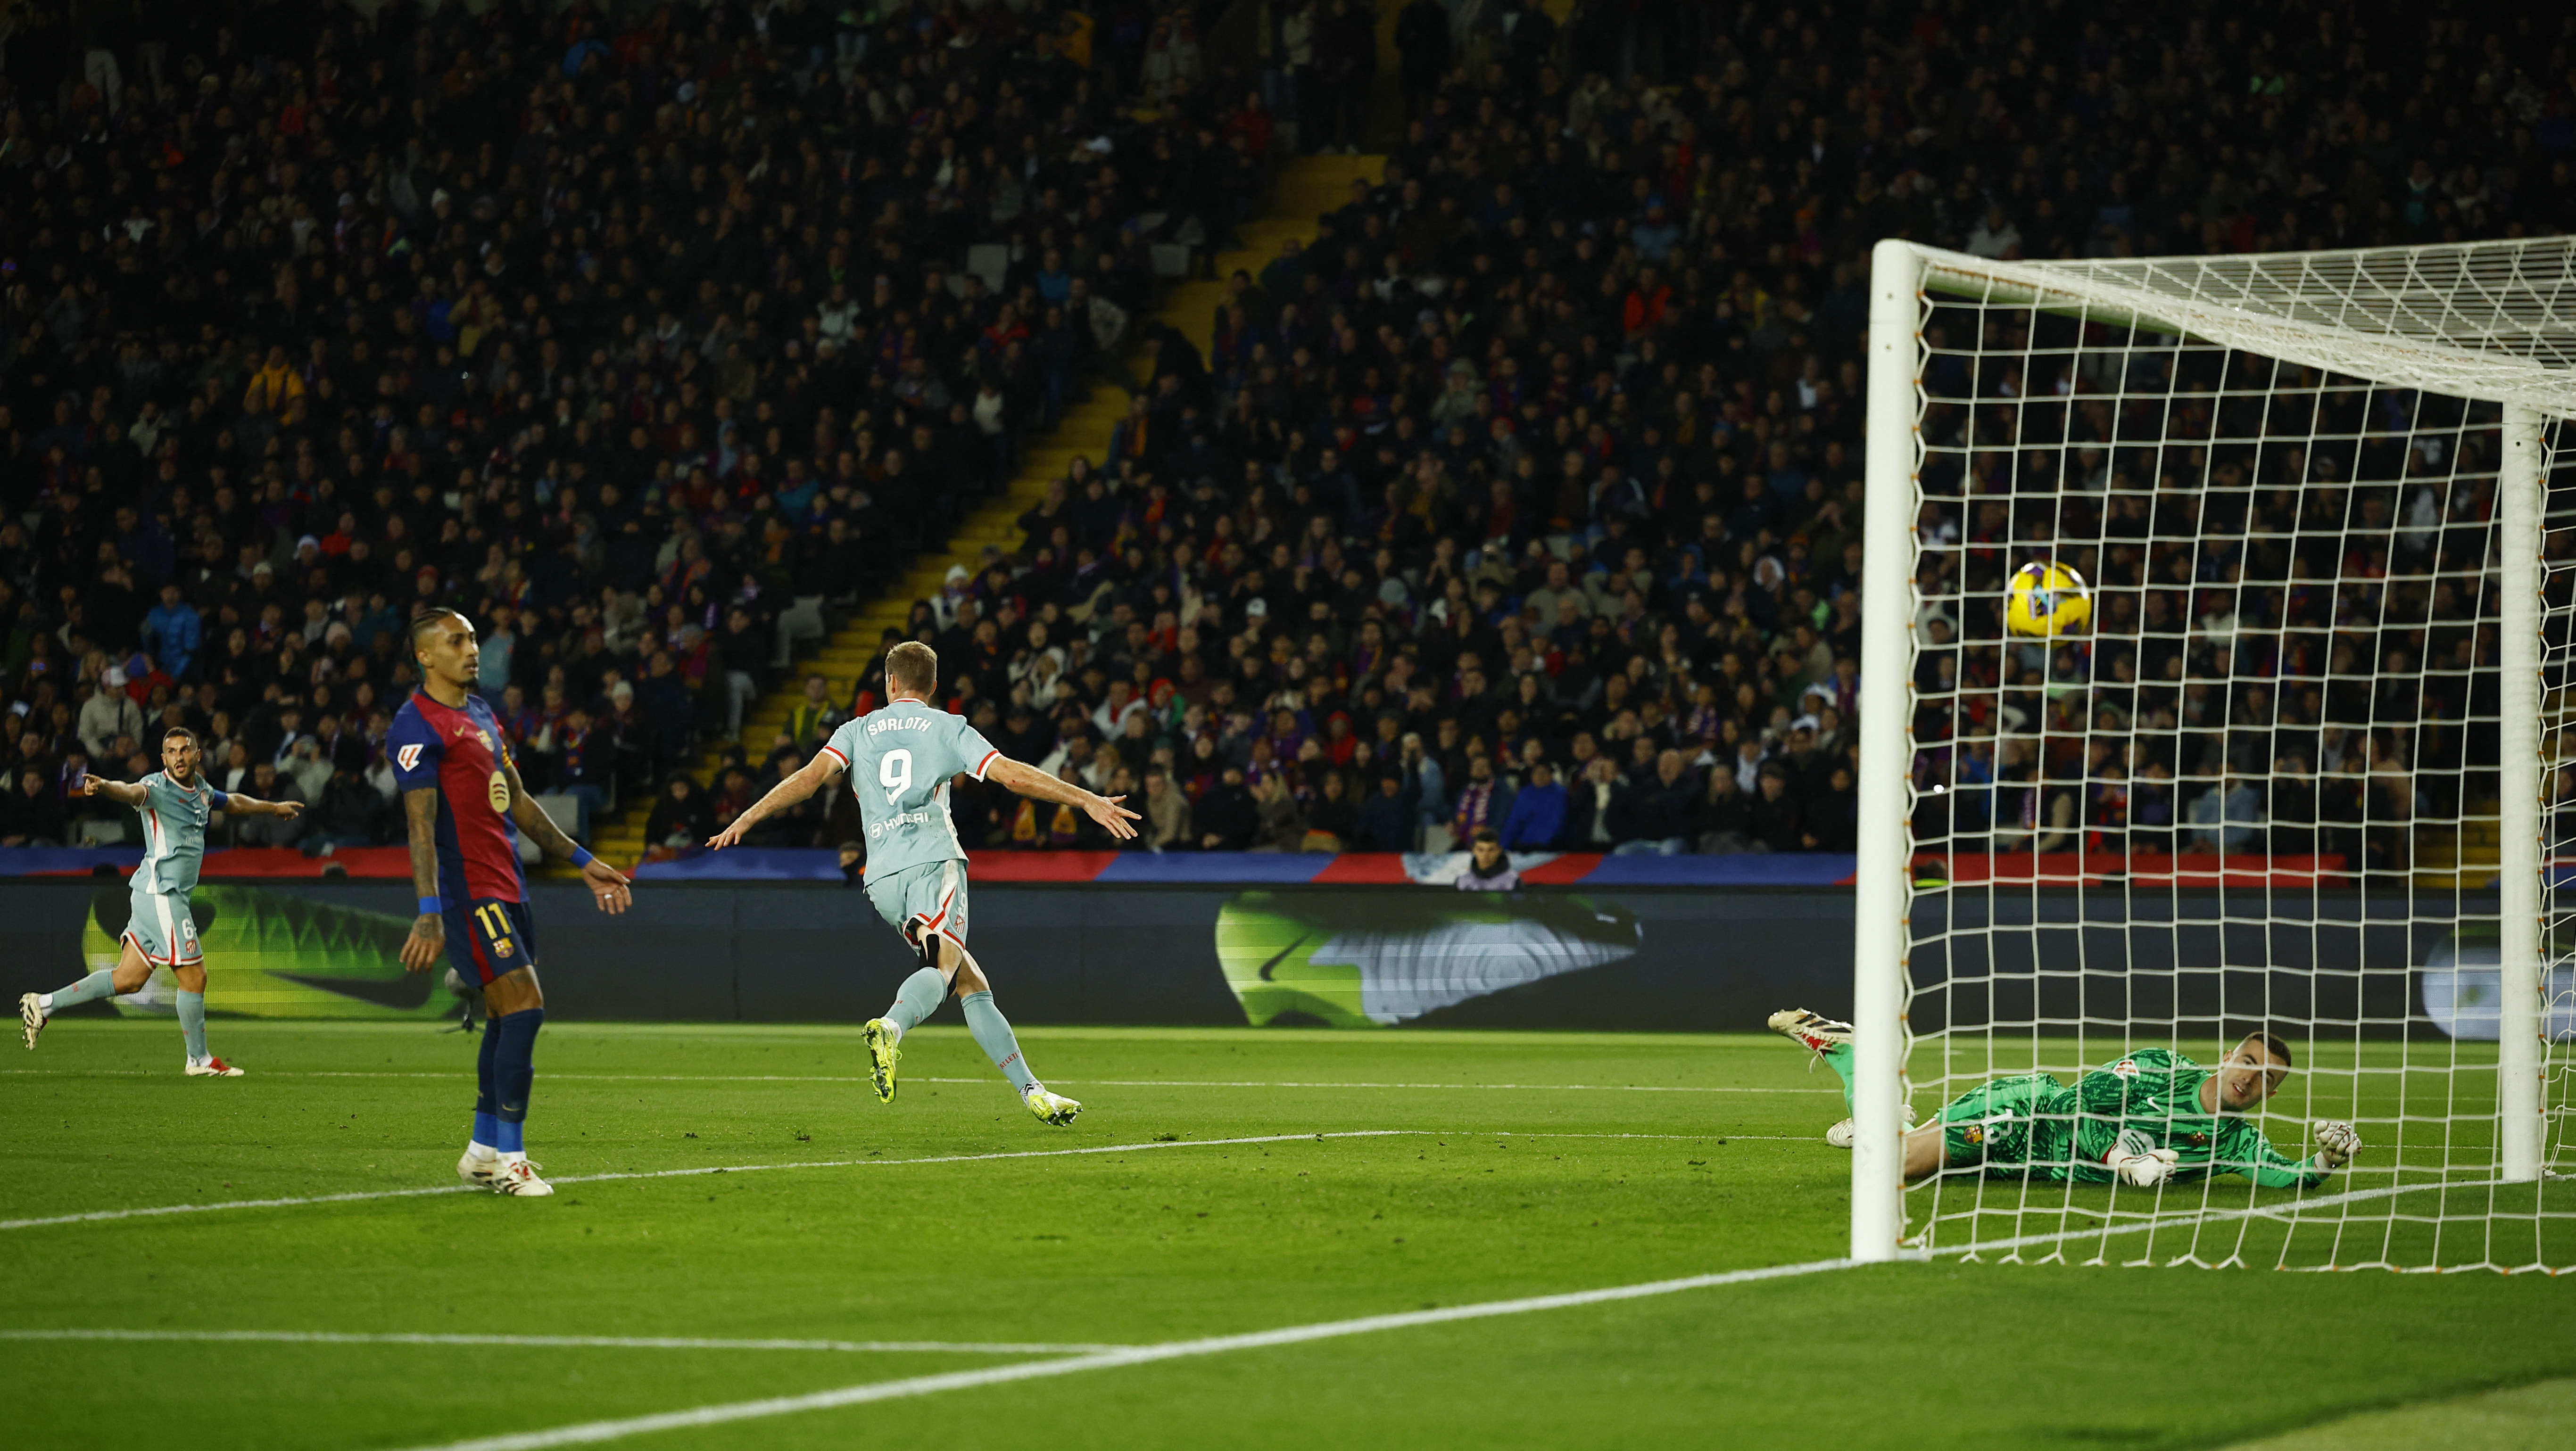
515, 1156
45, 1002
480, 1151
894, 1027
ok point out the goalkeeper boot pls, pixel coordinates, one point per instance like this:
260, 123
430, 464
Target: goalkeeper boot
1811, 1031
211, 1067
1054, 1108
1844, 1134
883, 1055
31, 1015
518, 1177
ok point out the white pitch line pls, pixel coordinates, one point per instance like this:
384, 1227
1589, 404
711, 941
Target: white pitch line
604, 1342
97, 1215
591, 1432
913, 1078
2288, 1209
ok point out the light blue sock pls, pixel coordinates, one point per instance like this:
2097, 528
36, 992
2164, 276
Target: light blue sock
917, 999
99, 984
192, 1021
993, 1034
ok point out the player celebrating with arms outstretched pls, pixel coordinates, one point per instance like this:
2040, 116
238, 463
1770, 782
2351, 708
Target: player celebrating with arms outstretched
461, 792
2150, 1118
175, 803
900, 760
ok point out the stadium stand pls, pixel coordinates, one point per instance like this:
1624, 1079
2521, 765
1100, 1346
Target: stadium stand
666, 341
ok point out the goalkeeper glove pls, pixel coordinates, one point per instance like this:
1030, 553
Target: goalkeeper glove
2139, 1163
2337, 1142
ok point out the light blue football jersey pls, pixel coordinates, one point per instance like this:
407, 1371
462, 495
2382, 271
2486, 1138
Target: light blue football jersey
900, 760
174, 832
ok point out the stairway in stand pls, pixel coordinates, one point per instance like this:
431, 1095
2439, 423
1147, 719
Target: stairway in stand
2462, 858
1302, 191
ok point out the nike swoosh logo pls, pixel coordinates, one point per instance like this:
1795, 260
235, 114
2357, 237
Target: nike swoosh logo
1282, 956
410, 990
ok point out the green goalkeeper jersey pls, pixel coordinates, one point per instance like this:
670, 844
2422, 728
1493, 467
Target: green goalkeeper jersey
2156, 1092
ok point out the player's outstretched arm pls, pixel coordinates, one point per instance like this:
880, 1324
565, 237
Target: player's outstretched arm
813, 776
608, 886
252, 806
1029, 781
124, 793
428, 939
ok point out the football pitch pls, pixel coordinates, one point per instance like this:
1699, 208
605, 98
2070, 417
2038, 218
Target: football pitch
747, 1249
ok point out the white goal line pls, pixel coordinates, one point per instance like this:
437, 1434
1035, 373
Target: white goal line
2290, 1209
601, 1342
591, 1432
361, 1195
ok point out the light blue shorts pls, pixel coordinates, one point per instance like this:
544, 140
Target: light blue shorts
930, 897
162, 930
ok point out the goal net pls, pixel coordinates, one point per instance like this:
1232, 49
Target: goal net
2216, 683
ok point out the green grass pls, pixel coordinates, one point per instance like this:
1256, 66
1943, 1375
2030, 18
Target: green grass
1489, 1193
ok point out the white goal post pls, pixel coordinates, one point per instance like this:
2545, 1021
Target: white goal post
2306, 769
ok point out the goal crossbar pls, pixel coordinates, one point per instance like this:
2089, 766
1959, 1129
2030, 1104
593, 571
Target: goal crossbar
2487, 320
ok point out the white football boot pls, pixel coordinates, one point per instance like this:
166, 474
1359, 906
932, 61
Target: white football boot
519, 1177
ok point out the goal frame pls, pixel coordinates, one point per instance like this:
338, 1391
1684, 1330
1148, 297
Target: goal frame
2421, 341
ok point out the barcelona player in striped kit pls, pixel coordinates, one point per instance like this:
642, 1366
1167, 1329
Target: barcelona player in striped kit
461, 794
175, 802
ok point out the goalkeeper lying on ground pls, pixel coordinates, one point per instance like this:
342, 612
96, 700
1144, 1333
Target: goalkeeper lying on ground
2151, 1118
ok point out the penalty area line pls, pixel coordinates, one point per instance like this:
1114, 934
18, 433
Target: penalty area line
601, 1342
591, 1432
553, 1077
359, 1195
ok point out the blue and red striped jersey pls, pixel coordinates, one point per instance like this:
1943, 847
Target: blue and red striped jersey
460, 752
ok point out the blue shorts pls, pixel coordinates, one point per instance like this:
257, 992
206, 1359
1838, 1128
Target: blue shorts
490, 939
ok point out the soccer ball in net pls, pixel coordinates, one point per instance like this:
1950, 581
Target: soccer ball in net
2046, 601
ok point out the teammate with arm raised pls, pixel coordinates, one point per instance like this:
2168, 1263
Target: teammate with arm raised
461, 792
900, 760
175, 802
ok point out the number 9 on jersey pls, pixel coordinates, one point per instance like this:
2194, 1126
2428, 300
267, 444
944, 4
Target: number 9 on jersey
894, 773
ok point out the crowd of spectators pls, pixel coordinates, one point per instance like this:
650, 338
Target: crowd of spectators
619, 327
1527, 497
